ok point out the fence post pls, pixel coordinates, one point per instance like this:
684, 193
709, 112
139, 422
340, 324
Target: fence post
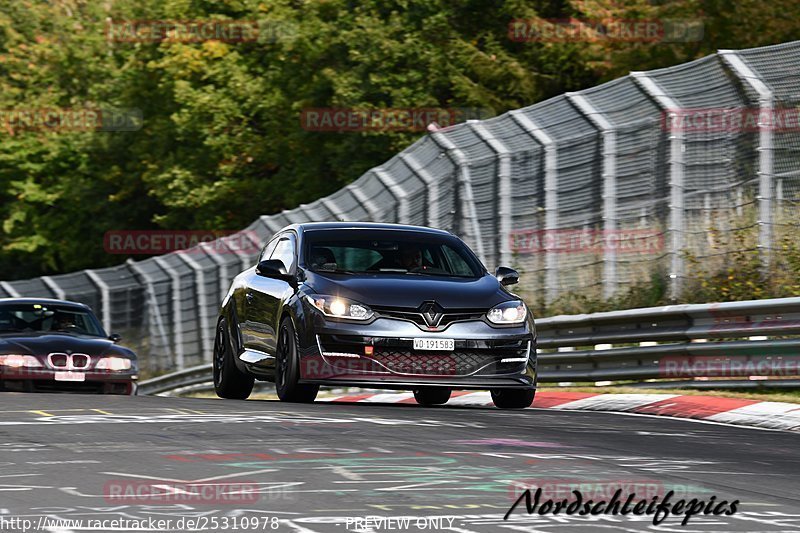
9, 289
550, 197
177, 311
202, 302
243, 256
676, 178
333, 208
765, 152
609, 133
400, 195
469, 214
366, 202
503, 203
105, 298
222, 266
53, 286
289, 213
155, 314
432, 185
271, 224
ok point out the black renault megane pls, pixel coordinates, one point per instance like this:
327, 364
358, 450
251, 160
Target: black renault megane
374, 305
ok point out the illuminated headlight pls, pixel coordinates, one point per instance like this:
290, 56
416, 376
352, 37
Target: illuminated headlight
513, 312
340, 307
19, 361
113, 363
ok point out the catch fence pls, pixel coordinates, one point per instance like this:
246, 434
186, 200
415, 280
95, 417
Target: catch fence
590, 192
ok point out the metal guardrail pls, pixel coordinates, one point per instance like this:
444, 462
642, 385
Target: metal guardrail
758, 338
176, 380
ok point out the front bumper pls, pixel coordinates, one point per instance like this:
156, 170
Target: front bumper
44, 380
381, 355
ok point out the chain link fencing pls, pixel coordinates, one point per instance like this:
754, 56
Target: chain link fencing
590, 192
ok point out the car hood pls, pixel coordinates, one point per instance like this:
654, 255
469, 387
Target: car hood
410, 291
45, 343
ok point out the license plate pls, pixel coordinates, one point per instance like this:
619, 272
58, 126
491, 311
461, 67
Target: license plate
70, 376
438, 345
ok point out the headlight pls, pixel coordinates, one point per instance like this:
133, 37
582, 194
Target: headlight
513, 312
113, 363
19, 361
336, 307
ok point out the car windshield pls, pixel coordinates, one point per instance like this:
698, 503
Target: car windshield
385, 251
33, 317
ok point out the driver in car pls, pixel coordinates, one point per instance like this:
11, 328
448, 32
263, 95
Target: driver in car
410, 257
63, 322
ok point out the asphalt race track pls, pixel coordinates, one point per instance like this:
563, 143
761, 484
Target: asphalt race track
267, 466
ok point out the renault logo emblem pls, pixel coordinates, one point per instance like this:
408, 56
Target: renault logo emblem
431, 313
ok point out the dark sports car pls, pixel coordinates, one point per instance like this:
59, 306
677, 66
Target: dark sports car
55, 345
374, 305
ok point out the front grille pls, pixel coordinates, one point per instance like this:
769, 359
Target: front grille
58, 360
88, 387
76, 361
433, 364
417, 317
397, 356
80, 361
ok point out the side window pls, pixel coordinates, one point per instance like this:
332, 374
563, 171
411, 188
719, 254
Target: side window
267, 251
285, 252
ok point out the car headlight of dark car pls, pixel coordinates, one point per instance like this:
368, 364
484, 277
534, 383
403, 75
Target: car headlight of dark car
337, 307
19, 361
513, 312
114, 363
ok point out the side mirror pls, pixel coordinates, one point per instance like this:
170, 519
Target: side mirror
115, 337
506, 276
273, 268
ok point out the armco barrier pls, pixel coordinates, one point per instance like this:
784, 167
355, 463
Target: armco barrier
725, 340
176, 380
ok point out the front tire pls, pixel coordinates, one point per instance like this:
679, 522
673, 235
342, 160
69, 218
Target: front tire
431, 395
229, 381
513, 398
287, 368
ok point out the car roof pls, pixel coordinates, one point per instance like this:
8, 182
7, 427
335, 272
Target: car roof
314, 226
43, 301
